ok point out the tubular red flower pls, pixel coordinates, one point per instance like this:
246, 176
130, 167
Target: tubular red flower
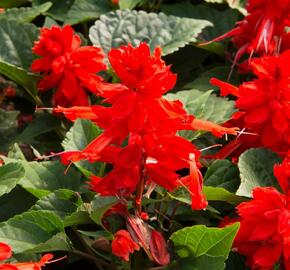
265, 225
67, 66
263, 30
123, 245
264, 103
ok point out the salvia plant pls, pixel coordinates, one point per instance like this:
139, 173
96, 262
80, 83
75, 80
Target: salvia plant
145, 134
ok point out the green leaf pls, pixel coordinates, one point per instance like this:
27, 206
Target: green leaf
20, 76
12, 3
202, 248
100, 205
211, 194
86, 10
16, 42
221, 194
8, 128
9, 177
25, 14
62, 202
125, 26
15, 202
43, 122
202, 82
58, 10
42, 178
78, 218
205, 106
78, 137
130, 4
223, 21
59, 242
222, 173
234, 4
26, 231
256, 170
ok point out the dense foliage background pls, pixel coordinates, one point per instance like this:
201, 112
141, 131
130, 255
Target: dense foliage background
47, 207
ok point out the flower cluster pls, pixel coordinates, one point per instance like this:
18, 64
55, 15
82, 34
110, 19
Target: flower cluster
67, 66
139, 114
264, 235
139, 125
263, 30
264, 103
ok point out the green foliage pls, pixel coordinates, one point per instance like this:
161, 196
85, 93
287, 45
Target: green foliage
256, 170
42, 123
9, 177
125, 26
42, 178
27, 231
62, 202
8, 128
202, 248
205, 106
224, 174
77, 138
223, 21
58, 10
16, 41
25, 14
85, 10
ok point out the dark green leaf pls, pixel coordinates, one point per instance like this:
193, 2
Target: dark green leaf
62, 202
16, 42
130, 4
26, 231
43, 122
20, 76
223, 173
9, 177
79, 136
223, 21
100, 205
12, 3
58, 242
125, 26
85, 10
78, 218
8, 128
221, 194
202, 248
25, 14
202, 82
58, 10
256, 170
16, 202
42, 178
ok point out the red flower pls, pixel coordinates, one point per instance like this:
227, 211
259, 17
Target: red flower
138, 113
264, 235
67, 66
264, 103
123, 245
6, 253
263, 29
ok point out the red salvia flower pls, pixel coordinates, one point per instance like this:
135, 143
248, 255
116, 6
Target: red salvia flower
264, 103
6, 253
67, 66
264, 235
263, 30
139, 113
123, 245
